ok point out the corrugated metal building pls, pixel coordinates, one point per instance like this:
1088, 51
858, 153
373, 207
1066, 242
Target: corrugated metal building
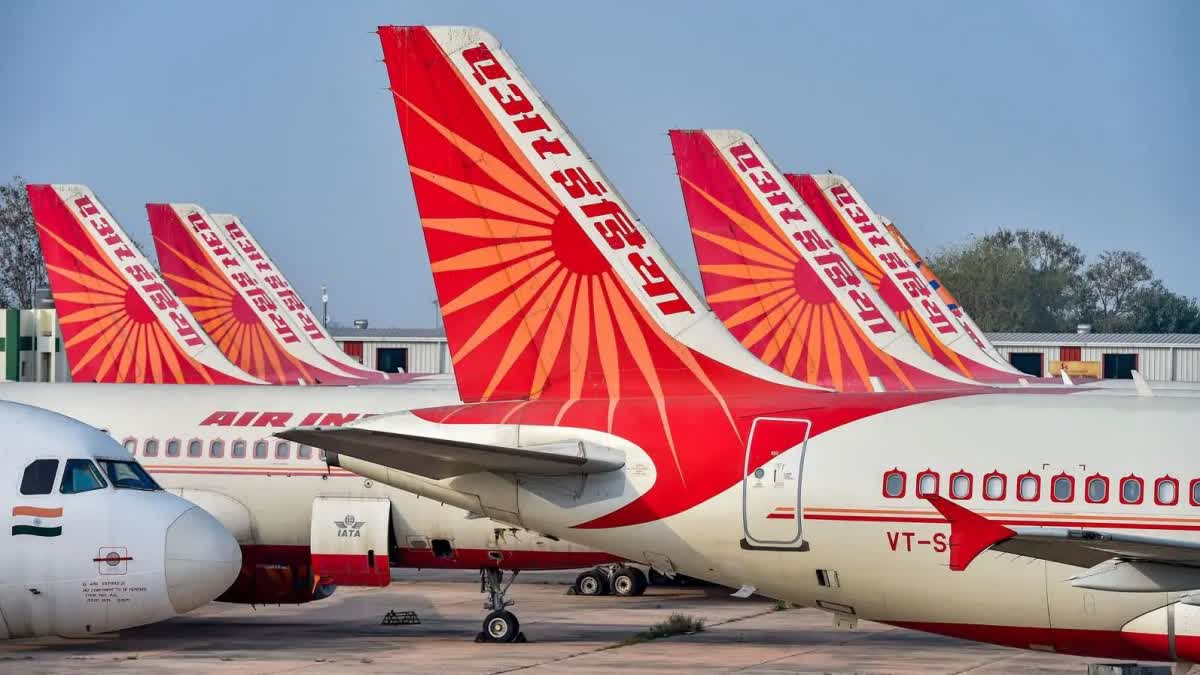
409, 350
1167, 356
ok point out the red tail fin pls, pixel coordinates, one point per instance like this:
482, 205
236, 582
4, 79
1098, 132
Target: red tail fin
863, 236
271, 279
239, 315
973, 330
777, 280
120, 322
549, 286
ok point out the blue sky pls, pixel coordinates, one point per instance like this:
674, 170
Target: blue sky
952, 118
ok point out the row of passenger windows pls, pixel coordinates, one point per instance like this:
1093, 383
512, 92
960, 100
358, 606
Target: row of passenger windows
1028, 487
261, 449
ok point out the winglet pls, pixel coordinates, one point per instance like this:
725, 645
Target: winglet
1066, 378
1140, 384
970, 533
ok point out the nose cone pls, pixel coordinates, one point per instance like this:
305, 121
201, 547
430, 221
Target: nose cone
202, 560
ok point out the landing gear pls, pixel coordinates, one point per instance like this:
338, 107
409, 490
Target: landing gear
621, 580
500, 625
592, 582
628, 581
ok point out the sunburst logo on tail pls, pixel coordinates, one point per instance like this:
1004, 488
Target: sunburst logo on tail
120, 322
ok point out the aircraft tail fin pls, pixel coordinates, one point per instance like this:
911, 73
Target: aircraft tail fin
270, 277
120, 322
549, 285
780, 282
243, 320
960, 313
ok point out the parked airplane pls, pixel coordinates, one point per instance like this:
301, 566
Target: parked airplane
120, 322
879, 256
235, 237
782, 284
935, 284
599, 411
94, 545
281, 565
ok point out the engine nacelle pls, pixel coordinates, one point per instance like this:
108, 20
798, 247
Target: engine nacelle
1170, 633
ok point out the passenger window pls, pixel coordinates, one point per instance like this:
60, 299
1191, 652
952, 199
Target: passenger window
303, 452
260, 449
238, 450
1131, 490
216, 449
39, 477
927, 483
1029, 487
960, 485
81, 475
995, 486
1062, 488
1097, 489
1166, 491
195, 448
131, 445
173, 447
283, 450
893, 482
151, 448
1195, 492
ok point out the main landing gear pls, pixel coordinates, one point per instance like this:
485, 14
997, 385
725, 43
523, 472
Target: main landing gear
500, 625
624, 580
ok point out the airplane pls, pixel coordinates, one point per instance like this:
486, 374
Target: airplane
120, 321
235, 237
793, 279
599, 405
213, 443
935, 284
780, 281
213, 281
93, 544
856, 226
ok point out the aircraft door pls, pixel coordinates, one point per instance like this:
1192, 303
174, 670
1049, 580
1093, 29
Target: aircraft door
349, 540
771, 499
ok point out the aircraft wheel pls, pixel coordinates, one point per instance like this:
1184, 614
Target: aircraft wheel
501, 626
628, 581
591, 582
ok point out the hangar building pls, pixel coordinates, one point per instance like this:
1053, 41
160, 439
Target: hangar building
1167, 356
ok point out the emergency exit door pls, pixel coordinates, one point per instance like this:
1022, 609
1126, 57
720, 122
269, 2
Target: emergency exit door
771, 498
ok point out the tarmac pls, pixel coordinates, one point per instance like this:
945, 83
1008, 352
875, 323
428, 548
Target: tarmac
566, 634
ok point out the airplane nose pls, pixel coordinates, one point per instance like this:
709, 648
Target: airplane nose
202, 560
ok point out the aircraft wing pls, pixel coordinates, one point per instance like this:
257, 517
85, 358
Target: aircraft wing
439, 458
972, 534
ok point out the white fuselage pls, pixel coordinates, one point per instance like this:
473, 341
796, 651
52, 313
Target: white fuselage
76, 563
857, 552
267, 501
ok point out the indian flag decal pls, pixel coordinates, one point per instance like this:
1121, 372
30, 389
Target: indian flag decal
37, 521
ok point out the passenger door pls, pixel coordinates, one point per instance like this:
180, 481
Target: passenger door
771, 501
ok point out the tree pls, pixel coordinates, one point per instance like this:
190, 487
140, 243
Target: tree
22, 269
991, 279
1158, 310
1116, 280
1016, 280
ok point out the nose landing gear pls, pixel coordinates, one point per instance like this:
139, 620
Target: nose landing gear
500, 625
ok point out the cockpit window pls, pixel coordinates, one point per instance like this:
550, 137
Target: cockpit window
129, 475
81, 475
39, 477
